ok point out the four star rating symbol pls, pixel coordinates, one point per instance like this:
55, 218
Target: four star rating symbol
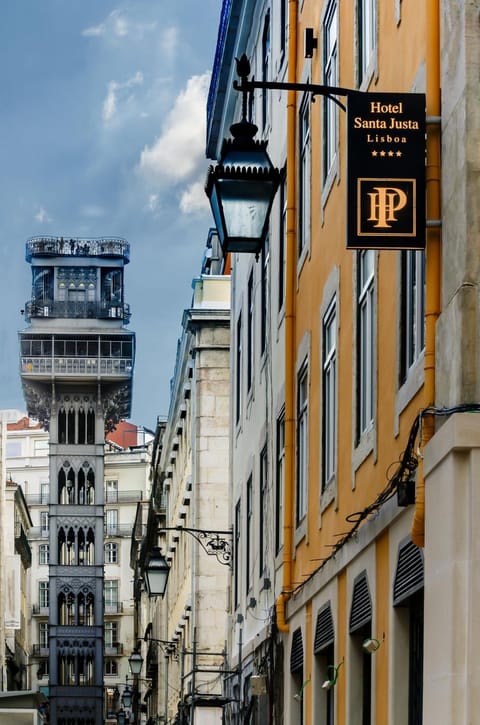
386, 153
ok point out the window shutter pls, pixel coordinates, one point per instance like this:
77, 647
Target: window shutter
324, 632
361, 611
296, 654
409, 574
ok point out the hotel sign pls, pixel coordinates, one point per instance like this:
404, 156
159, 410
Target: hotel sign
386, 171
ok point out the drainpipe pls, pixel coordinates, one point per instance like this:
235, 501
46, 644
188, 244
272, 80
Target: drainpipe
291, 267
433, 250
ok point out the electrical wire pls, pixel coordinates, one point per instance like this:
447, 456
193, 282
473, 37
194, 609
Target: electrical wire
405, 468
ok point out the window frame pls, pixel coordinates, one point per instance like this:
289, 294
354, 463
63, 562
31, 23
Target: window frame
279, 481
412, 310
301, 496
366, 22
365, 341
263, 477
111, 546
43, 554
304, 175
249, 543
329, 393
330, 78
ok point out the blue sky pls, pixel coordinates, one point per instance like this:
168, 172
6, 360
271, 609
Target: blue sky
102, 118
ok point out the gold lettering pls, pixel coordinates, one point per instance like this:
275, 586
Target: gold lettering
385, 201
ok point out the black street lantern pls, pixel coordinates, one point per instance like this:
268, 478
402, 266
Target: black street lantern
135, 661
121, 717
242, 186
156, 573
127, 697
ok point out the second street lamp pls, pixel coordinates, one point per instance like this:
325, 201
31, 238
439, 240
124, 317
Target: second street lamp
156, 573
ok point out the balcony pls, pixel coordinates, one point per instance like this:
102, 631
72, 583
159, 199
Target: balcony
104, 247
38, 367
39, 610
40, 650
77, 310
123, 496
118, 529
37, 499
38, 532
113, 607
113, 650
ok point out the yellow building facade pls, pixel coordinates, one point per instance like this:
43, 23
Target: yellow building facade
366, 385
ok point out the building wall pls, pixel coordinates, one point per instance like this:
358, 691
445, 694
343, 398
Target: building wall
330, 557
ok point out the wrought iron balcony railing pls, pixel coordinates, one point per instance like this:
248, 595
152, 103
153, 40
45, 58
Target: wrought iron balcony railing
73, 366
77, 310
47, 246
40, 610
40, 650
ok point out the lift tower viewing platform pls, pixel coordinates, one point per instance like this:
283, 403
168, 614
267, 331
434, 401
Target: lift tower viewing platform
76, 364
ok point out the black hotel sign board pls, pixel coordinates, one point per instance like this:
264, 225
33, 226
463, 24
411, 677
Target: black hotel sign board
386, 171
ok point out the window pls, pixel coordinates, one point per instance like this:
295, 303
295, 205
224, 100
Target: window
43, 594
111, 553
43, 635
111, 668
412, 325
279, 483
250, 331
111, 491
111, 634
111, 522
264, 296
44, 493
238, 371
111, 592
302, 443
330, 78
283, 26
40, 448
304, 176
249, 533
265, 66
366, 349
44, 523
282, 243
366, 34
43, 554
262, 504
236, 570
14, 449
329, 387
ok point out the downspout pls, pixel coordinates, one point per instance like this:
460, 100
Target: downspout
433, 248
291, 267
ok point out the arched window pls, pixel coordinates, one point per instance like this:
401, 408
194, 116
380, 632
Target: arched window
62, 479
70, 485
81, 486
71, 426
90, 548
90, 426
81, 426
62, 426
90, 499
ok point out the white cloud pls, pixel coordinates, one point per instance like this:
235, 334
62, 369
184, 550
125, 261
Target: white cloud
178, 152
194, 199
114, 89
42, 216
169, 41
115, 24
